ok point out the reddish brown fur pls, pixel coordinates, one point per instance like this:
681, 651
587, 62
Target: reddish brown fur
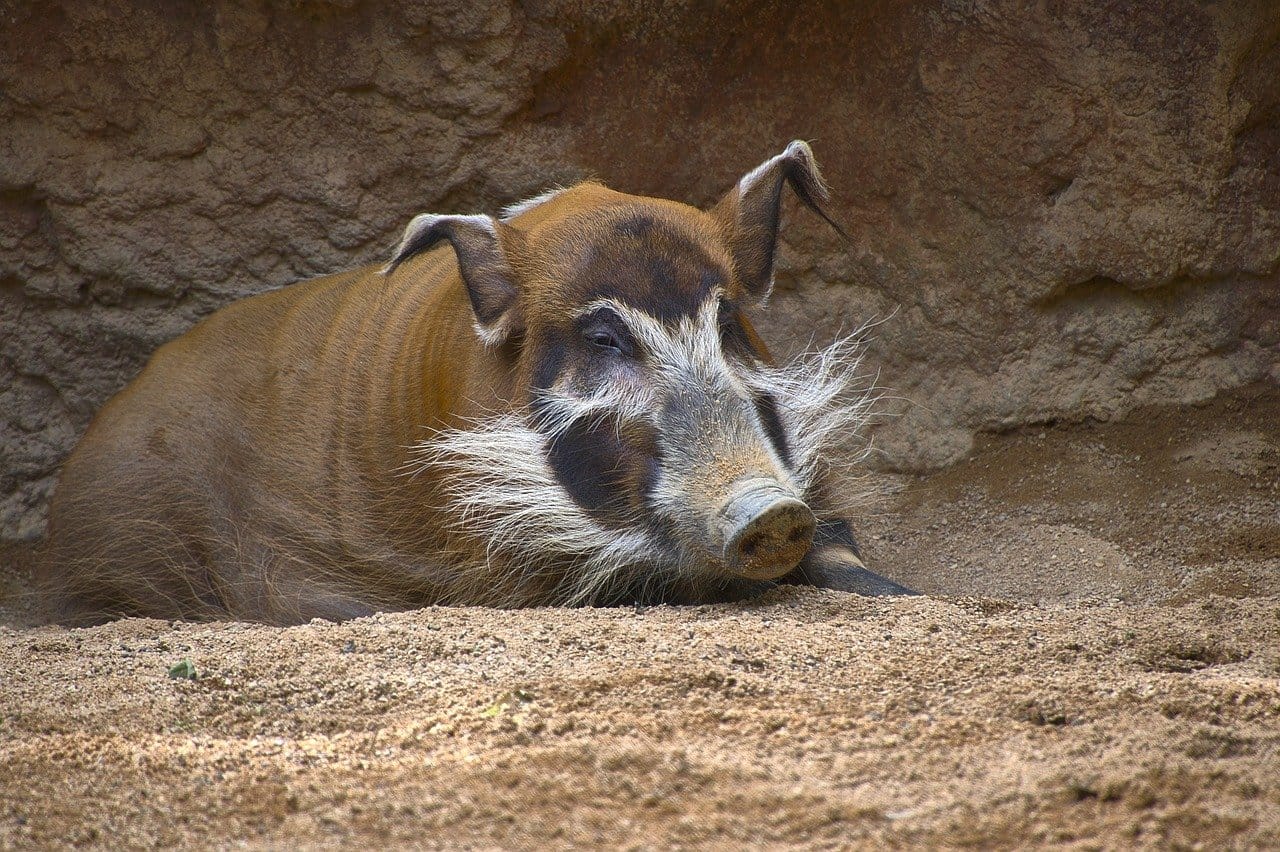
297, 407
252, 469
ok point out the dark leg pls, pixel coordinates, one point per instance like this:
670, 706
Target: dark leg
835, 563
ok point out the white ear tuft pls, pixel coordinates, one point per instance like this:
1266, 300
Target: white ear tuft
426, 230
511, 211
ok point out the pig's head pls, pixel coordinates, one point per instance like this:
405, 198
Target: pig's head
658, 447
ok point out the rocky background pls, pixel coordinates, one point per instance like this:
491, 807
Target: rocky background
1064, 210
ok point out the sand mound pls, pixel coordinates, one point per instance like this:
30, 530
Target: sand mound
1097, 662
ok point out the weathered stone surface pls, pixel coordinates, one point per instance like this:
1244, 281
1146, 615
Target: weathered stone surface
1066, 212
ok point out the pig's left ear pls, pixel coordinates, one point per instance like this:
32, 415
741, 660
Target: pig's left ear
484, 248
748, 215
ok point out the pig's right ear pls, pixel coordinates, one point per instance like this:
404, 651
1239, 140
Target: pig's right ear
482, 245
749, 213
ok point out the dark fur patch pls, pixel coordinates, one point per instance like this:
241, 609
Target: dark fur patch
736, 342
606, 321
637, 226
587, 462
733, 334
835, 531
552, 352
649, 265
607, 474
767, 410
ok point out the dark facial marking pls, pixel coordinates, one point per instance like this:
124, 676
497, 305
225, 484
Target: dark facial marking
551, 353
767, 410
733, 334
607, 474
735, 342
650, 265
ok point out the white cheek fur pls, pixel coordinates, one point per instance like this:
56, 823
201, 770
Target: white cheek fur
502, 491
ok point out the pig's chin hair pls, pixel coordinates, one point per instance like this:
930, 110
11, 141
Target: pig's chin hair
824, 403
501, 492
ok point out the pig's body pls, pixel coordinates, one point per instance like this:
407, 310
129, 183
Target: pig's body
249, 470
277, 463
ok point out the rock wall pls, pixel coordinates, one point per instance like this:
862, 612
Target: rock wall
1063, 211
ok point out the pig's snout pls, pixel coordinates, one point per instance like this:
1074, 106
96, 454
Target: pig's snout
766, 531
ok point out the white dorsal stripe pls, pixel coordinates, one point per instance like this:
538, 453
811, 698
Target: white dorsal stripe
511, 211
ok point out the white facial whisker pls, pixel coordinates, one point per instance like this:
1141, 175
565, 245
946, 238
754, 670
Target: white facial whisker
822, 400
703, 407
500, 488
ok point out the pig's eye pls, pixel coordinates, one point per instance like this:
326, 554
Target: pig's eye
605, 340
605, 330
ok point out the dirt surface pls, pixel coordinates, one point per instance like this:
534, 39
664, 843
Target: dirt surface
1097, 663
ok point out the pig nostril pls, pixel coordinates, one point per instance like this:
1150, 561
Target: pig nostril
766, 531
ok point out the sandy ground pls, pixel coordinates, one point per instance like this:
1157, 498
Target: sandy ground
1096, 663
